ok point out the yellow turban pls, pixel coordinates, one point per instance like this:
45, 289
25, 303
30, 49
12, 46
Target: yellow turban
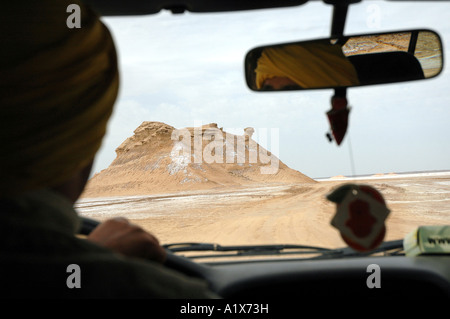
310, 65
57, 90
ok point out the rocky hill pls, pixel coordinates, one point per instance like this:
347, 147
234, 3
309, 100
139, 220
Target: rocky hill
159, 159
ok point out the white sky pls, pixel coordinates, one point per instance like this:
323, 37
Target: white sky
188, 69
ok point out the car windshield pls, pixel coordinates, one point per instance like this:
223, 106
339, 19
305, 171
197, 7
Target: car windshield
184, 73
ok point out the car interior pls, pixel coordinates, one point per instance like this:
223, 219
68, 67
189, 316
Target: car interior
284, 271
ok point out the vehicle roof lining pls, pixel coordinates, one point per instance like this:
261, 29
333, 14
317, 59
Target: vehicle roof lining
146, 7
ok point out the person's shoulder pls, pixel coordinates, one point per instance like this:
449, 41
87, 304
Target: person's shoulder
90, 271
137, 278
107, 273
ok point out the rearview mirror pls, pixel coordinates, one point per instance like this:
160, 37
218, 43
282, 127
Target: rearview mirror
345, 62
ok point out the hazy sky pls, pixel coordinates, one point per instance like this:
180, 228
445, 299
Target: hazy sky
188, 69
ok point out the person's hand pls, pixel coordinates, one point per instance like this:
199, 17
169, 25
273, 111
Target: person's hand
119, 235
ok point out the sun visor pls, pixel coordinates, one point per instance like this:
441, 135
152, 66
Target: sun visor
143, 7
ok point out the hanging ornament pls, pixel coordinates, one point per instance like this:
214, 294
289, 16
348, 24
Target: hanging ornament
360, 216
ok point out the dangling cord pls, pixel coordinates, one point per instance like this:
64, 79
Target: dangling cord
350, 150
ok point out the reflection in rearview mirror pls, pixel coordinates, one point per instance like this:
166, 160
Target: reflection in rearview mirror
345, 62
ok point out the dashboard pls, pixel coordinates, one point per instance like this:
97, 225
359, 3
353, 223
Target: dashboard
377, 278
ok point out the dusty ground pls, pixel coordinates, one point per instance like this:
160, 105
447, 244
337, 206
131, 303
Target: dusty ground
290, 214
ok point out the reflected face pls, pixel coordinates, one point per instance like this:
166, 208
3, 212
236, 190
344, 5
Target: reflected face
279, 83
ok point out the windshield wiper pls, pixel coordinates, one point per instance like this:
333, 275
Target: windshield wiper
245, 250
391, 248
387, 248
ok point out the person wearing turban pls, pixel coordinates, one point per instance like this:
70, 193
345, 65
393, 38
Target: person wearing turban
58, 86
316, 64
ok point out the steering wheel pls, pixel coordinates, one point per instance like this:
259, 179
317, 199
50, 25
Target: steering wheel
178, 263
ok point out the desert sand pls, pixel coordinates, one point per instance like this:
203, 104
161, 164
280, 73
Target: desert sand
161, 189
288, 214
